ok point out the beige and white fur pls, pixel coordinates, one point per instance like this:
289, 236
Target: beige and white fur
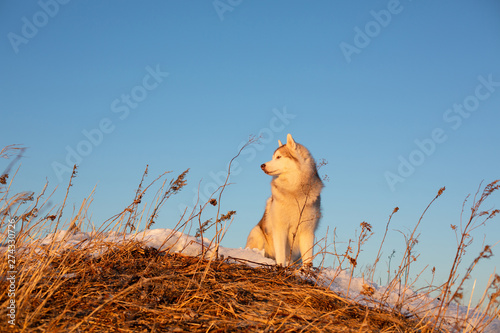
293, 211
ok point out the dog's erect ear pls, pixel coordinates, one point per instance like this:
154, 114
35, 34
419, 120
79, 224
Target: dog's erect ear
279, 143
290, 141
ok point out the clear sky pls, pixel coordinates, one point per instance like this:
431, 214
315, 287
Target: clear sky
400, 97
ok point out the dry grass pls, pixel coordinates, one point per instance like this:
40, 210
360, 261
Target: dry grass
134, 288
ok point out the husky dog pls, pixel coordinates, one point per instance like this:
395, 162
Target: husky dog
293, 210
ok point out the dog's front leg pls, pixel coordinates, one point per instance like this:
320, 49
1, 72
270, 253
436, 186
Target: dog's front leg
281, 247
306, 244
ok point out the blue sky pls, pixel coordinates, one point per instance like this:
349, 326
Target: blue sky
400, 97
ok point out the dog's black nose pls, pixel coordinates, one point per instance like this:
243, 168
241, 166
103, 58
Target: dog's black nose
262, 166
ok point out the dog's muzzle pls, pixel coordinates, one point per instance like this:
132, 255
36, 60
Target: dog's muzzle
263, 166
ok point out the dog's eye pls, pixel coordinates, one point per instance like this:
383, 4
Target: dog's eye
278, 157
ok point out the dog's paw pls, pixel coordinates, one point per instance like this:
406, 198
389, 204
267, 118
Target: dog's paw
307, 266
308, 270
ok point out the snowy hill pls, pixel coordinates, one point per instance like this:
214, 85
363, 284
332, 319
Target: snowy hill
339, 281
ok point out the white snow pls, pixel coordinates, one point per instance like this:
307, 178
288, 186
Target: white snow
340, 282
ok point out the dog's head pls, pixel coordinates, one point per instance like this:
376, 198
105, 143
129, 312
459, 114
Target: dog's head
285, 158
